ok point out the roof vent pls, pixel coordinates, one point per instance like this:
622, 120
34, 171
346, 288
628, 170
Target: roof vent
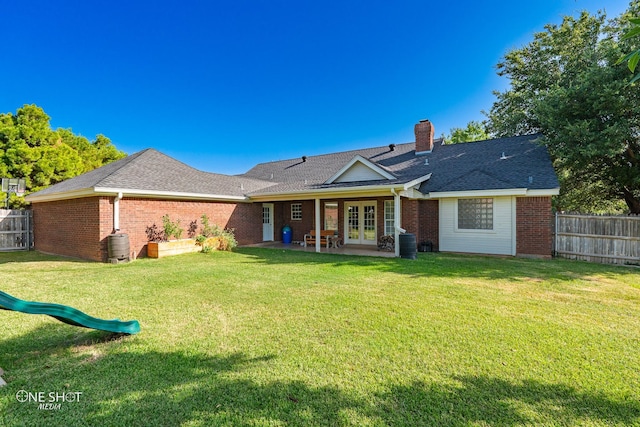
503, 157
392, 147
426, 162
304, 159
530, 179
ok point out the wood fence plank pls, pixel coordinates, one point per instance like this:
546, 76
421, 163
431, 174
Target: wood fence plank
604, 239
16, 230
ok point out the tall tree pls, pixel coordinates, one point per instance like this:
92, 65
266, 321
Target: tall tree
632, 58
30, 149
475, 131
566, 84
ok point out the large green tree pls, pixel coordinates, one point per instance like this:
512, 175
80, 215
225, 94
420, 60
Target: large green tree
475, 131
567, 84
632, 59
31, 149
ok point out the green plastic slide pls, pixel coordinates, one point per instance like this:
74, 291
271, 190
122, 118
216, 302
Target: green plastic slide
68, 315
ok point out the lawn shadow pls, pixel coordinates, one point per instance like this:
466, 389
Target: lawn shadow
448, 265
49, 339
35, 256
497, 402
170, 388
121, 387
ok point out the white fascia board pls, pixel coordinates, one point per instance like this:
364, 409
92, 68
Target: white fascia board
544, 192
477, 193
412, 193
417, 181
495, 193
170, 194
75, 194
365, 190
105, 191
358, 158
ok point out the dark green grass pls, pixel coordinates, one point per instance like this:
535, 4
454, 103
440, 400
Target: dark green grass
268, 337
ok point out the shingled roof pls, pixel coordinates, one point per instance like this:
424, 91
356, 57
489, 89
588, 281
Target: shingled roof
150, 172
519, 163
497, 164
312, 173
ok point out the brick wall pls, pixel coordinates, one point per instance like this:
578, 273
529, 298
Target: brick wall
137, 214
69, 227
80, 227
410, 217
534, 226
429, 212
299, 227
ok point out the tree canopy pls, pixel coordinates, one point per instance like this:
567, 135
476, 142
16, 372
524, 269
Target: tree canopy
475, 131
632, 58
31, 149
568, 84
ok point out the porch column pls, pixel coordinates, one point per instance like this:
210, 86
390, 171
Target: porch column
318, 228
397, 212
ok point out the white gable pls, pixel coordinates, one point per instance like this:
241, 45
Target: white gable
360, 169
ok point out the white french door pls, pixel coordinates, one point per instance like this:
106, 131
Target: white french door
267, 222
360, 223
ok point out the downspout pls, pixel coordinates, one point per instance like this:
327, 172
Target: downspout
318, 228
396, 222
116, 212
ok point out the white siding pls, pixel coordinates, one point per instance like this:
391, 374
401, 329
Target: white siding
499, 241
359, 172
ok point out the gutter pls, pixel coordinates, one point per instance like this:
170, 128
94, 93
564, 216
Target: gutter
106, 191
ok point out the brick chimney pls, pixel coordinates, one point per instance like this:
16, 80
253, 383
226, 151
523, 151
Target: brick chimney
424, 136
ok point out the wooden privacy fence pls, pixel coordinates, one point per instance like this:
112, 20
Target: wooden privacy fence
604, 239
16, 230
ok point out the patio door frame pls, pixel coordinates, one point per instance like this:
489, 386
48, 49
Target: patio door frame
361, 239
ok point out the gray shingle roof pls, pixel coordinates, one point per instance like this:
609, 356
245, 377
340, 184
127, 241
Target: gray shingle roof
150, 170
480, 166
295, 175
459, 167
456, 167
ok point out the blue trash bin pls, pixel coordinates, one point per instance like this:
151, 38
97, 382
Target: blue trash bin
286, 234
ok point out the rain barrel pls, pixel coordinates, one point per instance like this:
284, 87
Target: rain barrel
408, 247
286, 234
118, 246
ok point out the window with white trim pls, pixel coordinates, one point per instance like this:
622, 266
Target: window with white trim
475, 214
389, 218
296, 211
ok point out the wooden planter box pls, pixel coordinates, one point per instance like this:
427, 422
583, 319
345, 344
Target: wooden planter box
172, 247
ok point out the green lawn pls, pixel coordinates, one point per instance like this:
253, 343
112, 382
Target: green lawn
268, 337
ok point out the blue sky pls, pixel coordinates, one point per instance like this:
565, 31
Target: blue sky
222, 86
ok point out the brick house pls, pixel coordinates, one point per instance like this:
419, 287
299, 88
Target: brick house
490, 197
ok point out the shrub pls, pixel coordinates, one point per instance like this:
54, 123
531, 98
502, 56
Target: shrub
193, 227
154, 234
214, 238
171, 228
